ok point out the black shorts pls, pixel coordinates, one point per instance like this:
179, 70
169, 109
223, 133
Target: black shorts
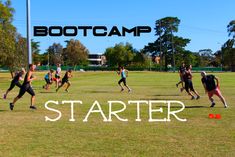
13, 84
57, 76
122, 80
26, 88
64, 81
188, 85
47, 81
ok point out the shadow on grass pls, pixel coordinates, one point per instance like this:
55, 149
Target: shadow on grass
3, 110
47, 92
196, 107
185, 106
177, 99
99, 91
166, 95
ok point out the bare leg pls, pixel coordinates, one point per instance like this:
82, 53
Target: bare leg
57, 83
68, 85
223, 100
5, 95
128, 88
32, 100
59, 87
121, 86
211, 99
190, 93
15, 100
195, 92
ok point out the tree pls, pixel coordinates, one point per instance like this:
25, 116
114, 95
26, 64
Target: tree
36, 52
231, 28
228, 49
21, 51
8, 36
7, 31
120, 54
75, 53
140, 59
228, 52
218, 59
207, 57
167, 46
55, 53
6, 13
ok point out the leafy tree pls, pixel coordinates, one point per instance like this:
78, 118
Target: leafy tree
36, 51
8, 36
228, 52
207, 57
228, 49
120, 54
55, 53
231, 28
21, 51
167, 46
140, 59
75, 53
218, 59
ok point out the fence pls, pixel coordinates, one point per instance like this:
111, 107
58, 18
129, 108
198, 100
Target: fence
133, 68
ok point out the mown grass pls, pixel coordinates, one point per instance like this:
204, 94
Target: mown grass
25, 133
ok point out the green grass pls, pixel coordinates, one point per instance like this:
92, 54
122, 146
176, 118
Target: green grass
25, 133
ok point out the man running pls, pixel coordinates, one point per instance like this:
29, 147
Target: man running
189, 84
48, 79
15, 81
124, 74
26, 87
212, 88
181, 71
65, 79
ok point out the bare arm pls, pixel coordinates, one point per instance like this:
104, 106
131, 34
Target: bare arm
118, 72
217, 81
126, 73
204, 85
29, 79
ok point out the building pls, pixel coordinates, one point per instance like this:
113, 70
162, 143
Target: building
96, 60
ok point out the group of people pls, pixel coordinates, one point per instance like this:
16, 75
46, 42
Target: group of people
29, 77
210, 84
59, 83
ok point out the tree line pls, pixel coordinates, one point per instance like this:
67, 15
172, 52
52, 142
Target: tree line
168, 50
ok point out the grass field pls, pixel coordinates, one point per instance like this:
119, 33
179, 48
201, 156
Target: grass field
25, 133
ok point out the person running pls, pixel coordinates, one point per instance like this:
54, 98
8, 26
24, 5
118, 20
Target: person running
15, 81
65, 79
49, 80
189, 84
124, 74
181, 71
57, 75
26, 87
212, 88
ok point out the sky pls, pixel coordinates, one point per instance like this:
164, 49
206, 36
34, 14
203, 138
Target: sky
203, 21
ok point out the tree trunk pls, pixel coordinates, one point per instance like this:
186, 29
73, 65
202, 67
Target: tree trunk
233, 68
165, 63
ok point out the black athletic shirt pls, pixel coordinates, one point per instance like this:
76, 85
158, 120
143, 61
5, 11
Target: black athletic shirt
182, 69
17, 76
187, 75
209, 80
26, 79
66, 76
